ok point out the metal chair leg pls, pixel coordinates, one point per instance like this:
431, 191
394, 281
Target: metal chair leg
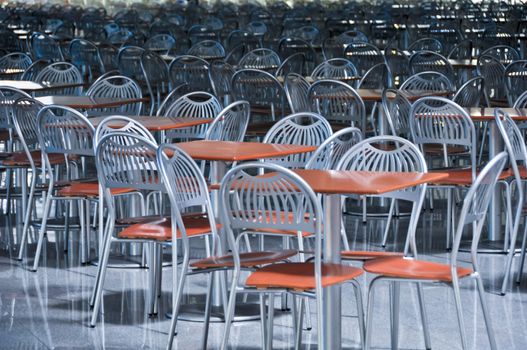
369, 313
360, 310
396, 291
179, 292
457, 297
299, 322
486, 316
103, 264
208, 304
42, 232
27, 215
388, 221
424, 316
230, 310
263, 317
270, 321
522, 259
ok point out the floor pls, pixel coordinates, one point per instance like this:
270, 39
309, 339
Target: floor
49, 309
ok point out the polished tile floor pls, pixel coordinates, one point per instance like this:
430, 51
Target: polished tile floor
49, 309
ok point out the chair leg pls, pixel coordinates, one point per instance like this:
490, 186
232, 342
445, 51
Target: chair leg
360, 310
179, 293
208, 305
42, 232
369, 313
263, 317
396, 291
27, 216
449, 218
230, 310
300, 318
388, 221
424, 316
104, 241
101, 272
486, 316
457, 297
344, 236
522, 259
510, 253
270, 321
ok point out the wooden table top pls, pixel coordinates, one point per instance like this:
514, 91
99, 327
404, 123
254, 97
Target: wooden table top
376, 94
239, 151
311, 79
157, 123
87, 102
31, 86
364, 182
487, 114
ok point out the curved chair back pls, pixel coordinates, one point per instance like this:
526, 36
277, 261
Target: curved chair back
61, 73
307, 129
427, 81
425, 61
45, 47
207, 49
336, 68
329, 153
160, 43
26, 126
8, 96
292, 64
262, 59
505, 54
493, 71
296, 88
429, 44
399, 64
191, 70
472, 93
377, 77
521, 101
121, 123
231, 123
85, 55
396, 108
117, 87
363, 56
129, 62
516, 79
220, 75
15, 60
155, 70
32, 71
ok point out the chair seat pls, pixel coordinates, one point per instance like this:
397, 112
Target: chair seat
463, 177
399, 267
246, 259
20, 159
161, 229
137, 220
88, 189
365, 255
300, 276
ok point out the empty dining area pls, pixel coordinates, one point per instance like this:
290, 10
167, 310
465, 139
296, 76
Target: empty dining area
263, 175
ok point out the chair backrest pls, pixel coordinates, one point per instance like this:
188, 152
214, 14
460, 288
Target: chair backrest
292, 64
439, 121
329, 153
129, 62
363, 56
296, 88
26, 126
260, 89
429, 44
207, 49
121, 123
197, 104
336, 68
15, 60
338, 102
117, 87
516, 79
220, 75
160, 43
86, 56
472, 93
155, 70
172, 97
503, 53
377, 77
521, 101
474, 209
191, 70
263, 59
396, 108
231, 123
427, 81
307, 129
61, 73
493, 71
463, 50
399, 64
289, 46
45, 47
186, 188
32, 71
8, 97
425, 61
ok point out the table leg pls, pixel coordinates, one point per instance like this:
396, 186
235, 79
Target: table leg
332, 295
495, 146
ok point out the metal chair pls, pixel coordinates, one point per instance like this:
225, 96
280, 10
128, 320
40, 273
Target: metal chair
363, 56
521, 101
426, 61
338, 103
429, 44
516, 79
427, 81
129, 63
207, 49
161, 44
399, 64
45, 47
197, 104
117, 87
336, 68
220, 75
378, 76
472, 93
262, 59
292, 64
191, 70
155, 70
61, 73
396, 109
16, 60
123, 124
296, 88
32, 71
411, 269
503, 53
231, 123
85, 55
244, 198
290, 46
493, 71
172, 97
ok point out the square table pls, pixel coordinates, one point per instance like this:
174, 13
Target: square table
87, 102
332, 184
158, 123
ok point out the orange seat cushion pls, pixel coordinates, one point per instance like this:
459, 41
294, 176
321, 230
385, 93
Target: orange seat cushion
300, 276
88, 189
365, 255
20, 159
246, 259
399, 267
161, 229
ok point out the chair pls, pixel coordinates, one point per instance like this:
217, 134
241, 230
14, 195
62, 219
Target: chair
262, 59
117, 87
427, 81
176, 93
336, 68
32, 71
199, 32
493, 71
16, 60
503, 53
521, 101
516, 79
338, 102
429, 44
207, 49
296, 88
129, 63
292, 64
402, 269
197, 104
86, 56
122, 124
463, 50
378, 76
231, 123
244, 198
262, 90
191, 70
220, 75
425, 61
45, 47
363, 56
155, 70
472, 93
161, 44
396, 110
290, 46
61, 73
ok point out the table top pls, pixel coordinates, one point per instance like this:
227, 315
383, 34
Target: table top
363, 182
87, 102
463, 63
487, 114
11, 71
31, 86
157, 123
229, 151
311, 79
376, 94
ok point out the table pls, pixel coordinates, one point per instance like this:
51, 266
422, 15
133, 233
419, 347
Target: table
463, 63
220, 153
311, 79
375, 95
155, 124
11, 71
88, 102
332, 184
31, 86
